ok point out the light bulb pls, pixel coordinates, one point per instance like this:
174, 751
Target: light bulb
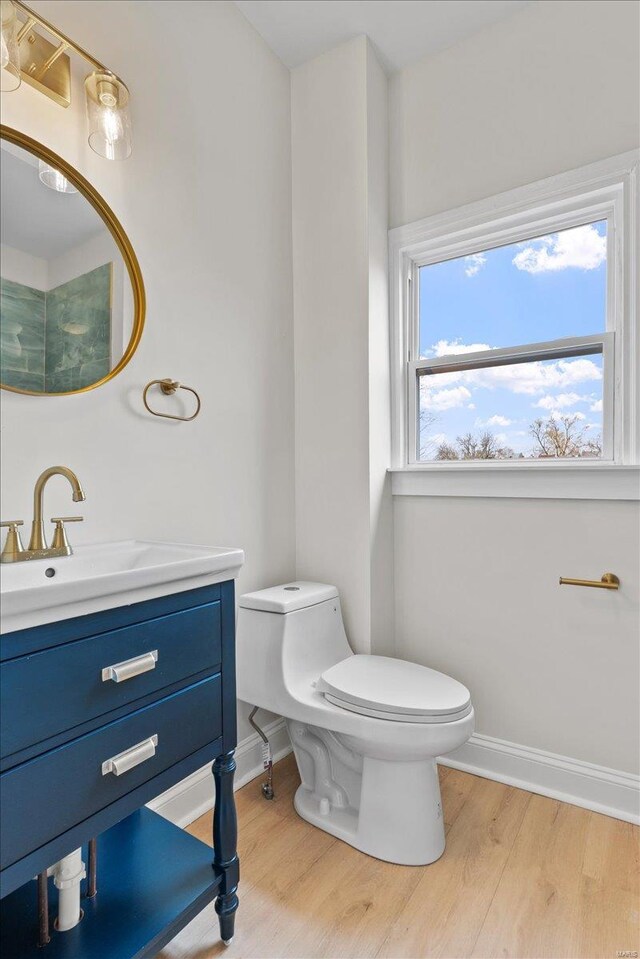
108, 116
54, 179
10, 77
4, 52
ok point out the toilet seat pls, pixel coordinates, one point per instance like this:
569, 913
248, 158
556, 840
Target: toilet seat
393, 689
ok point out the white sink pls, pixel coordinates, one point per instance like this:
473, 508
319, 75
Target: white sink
105, 576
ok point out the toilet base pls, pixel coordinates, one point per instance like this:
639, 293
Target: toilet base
388, 809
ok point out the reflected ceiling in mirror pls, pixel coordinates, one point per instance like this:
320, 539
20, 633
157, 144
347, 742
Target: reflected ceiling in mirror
71, 292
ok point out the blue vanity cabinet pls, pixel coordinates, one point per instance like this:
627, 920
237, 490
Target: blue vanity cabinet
98, 715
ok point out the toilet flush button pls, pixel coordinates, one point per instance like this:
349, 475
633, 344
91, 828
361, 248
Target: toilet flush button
292, 589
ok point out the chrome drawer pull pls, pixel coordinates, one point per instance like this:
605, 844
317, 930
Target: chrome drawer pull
130, 758
130, 667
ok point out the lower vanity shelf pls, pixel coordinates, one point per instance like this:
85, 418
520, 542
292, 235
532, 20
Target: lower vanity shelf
153, 879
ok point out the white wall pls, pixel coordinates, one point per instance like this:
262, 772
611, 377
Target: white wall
477, 596
545, 90
21, 267
206, 201
339, 154
549, 89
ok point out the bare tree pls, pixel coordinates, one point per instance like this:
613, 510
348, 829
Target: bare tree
427, 447
484, 447
562, 436
555, 437
470, 447
447, 452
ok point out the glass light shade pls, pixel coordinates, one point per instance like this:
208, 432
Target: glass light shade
10, 78
108, 116
54, 179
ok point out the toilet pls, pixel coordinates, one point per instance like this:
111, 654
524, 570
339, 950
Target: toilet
365, 730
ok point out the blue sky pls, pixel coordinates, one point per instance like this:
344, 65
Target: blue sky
539, 290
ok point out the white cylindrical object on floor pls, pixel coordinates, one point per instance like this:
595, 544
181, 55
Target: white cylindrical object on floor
67, 876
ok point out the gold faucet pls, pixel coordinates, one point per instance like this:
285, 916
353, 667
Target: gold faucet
14, 551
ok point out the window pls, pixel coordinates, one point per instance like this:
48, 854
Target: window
513, 328
478, 396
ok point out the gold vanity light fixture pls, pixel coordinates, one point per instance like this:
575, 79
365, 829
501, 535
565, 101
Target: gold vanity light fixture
108, 115
46, 67
9, 48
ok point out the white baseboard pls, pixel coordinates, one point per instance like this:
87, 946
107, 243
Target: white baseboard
603, 790
194, 796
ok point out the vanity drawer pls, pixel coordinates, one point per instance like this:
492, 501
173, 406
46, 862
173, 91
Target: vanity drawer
42, 798
66, 682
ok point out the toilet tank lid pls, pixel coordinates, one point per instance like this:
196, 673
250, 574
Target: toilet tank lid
288, 597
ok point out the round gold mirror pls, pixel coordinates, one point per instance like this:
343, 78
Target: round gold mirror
71, 292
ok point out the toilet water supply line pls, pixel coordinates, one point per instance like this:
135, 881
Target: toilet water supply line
267, 757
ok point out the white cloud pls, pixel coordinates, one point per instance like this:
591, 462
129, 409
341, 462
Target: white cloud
471, 406
475, 263
438, 439
496, 420
447, 399
581, 247
455, 347
559, 402
596, 407
525, 378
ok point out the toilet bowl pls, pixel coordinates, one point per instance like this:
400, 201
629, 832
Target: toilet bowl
365, 730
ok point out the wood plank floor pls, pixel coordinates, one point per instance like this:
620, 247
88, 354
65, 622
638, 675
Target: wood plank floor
522, 876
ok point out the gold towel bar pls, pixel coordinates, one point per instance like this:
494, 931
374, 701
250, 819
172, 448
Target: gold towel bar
169, 387
608, 581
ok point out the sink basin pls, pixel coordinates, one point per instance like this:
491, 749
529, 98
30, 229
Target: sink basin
105, 576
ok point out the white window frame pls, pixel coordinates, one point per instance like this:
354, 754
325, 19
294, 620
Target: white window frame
602, 191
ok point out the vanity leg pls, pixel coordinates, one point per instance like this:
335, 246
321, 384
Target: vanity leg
43, 910
225, 836
92, 882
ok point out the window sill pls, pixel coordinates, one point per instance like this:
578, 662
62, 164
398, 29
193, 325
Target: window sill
519, 480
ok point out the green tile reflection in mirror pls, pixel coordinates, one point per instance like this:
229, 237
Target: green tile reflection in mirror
59, 340
22, 322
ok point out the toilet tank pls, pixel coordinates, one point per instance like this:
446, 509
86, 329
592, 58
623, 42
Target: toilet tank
286, 637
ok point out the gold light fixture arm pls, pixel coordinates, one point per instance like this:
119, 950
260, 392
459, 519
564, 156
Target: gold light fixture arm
608, 581
33, 18
52, 59
26, 26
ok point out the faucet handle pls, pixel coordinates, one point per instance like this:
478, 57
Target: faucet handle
60, 540
13, 546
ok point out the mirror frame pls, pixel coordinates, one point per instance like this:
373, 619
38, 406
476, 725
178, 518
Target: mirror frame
117, 232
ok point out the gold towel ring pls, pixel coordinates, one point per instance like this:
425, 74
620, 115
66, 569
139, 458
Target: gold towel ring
169, 387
